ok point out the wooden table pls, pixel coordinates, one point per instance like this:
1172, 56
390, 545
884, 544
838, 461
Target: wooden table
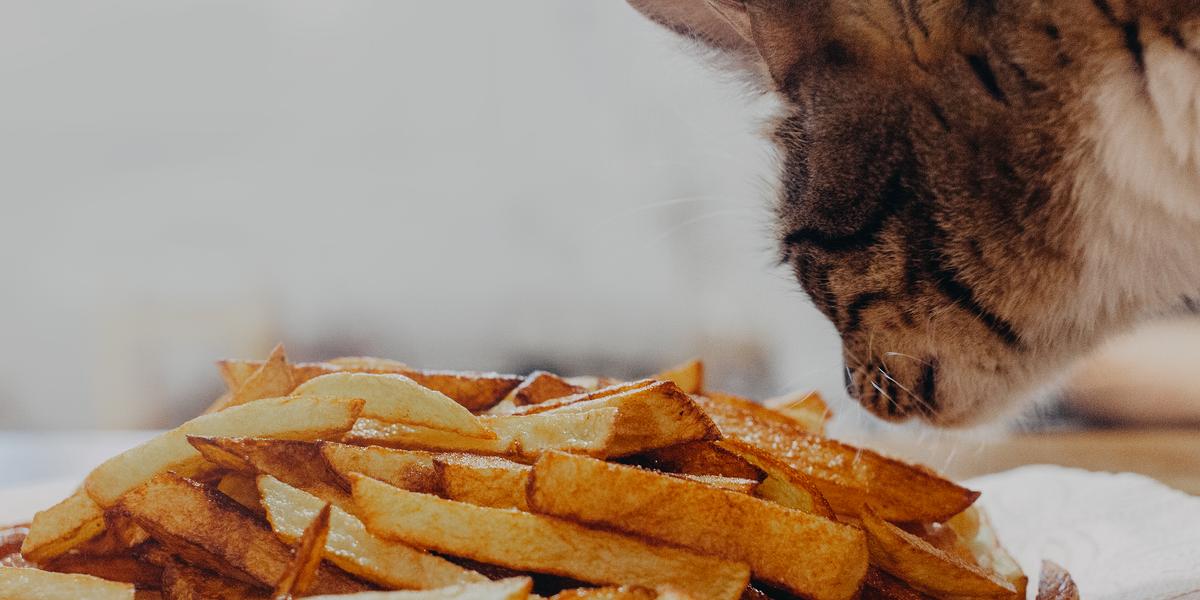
1170, 456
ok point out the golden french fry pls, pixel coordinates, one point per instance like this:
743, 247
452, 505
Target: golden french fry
408, 469
209, 530
689, 376
513, 588
122, 568
805, 554
607, 593
297, 463
414, 437
352, 548
63, 526
926, 568
733, 484
242, 489
35, 584
302, 571
847, 476
808, 409
881, 586
542, 386
482, 480
974, 530
396, 398
185, 582
272, 380
529, 542
782, 484
700, 458
281, 418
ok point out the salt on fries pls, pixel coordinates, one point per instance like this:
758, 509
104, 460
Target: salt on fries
366, 478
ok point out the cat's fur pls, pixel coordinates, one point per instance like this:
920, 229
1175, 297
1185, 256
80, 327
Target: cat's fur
975, 192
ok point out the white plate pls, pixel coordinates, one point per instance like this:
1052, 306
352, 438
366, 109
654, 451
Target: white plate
1122, 536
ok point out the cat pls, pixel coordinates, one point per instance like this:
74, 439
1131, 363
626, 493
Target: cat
975, 192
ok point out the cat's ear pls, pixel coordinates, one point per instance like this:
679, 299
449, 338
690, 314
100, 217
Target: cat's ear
771, 36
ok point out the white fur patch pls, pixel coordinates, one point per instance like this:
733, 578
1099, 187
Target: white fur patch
1139, 194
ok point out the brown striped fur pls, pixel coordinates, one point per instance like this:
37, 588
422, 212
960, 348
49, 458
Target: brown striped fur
944, 197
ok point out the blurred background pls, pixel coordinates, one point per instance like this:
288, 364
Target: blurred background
532, 184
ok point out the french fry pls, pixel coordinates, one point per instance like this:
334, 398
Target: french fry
62, 527
407, 469
482, 480
271, 380
35, 584
733, 484
821, 559
414, 437
1055, 583
242, 489
302, 571
607, 593
881, 586
513, 588
476, 391
281, 418
806, 408
847, 476
617, 388
689, 376
297, 463
184, 582
123, 568
541, 386
207, 529
654, 415
352, 548
975, 531
924, 567
529, 542
700, 458
782, 485
396, 398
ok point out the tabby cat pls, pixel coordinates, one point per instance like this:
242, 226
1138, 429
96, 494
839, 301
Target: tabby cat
975, 192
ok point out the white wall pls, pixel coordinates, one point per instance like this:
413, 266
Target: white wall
463, 184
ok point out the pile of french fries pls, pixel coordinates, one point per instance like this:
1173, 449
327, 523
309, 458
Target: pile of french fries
366, 478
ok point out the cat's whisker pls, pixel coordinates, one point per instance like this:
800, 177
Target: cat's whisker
700, 218
903, 355
651, 206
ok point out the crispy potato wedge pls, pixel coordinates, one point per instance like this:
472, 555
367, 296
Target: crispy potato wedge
407, 469
271, 380
63, 526
513, 588
296, 463
689, 376
396, 398
529, 542
352, 548
782, 485
924, 567
123, 568
242, 489
624, 592
207, 529
482, 480
184, 582
974, 530
808, 409
593, 432
282, 418
733, 484
542, 386
653, 415
35, 584
476, 391
820, 559
881, 586
301, 572
604, 392
847, 476
700, 458
1055, 583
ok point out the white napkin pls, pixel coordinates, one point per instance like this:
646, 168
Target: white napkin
1122, 536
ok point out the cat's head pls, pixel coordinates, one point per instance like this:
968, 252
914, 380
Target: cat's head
939, 159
